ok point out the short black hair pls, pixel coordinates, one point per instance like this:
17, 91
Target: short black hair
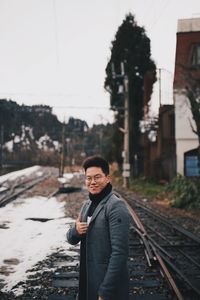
96, 161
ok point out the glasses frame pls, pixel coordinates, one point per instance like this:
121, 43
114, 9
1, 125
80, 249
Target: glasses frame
95, 178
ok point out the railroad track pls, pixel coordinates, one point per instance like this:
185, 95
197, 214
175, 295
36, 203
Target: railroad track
147, 275
150, 279
147, 278
178, 248
153, 262
19, 186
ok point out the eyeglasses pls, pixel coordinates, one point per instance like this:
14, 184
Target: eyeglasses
96, 178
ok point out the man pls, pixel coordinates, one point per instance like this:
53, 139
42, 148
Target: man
103, 229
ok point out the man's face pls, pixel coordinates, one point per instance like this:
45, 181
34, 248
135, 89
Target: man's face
96, 180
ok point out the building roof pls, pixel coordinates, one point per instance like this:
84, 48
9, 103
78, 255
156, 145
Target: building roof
188, 25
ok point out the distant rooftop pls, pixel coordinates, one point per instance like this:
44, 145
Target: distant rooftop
188, 25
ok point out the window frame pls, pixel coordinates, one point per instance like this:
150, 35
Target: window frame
196, 55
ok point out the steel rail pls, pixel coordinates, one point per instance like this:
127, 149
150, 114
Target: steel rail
143, 234
166, 221
171, 244
12, 195
166, 255
192, 242
168, 275
182, 276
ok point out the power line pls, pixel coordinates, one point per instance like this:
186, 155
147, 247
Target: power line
149, 8
32, 94
162, 10
56, 31
53, 95
39, 94
72, 106
79, 107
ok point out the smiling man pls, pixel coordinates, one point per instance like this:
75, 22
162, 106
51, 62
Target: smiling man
102, 227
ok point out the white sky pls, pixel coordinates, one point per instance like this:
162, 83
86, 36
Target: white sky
55, 52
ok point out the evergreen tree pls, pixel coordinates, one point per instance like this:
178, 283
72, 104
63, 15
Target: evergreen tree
132, 47
34, 130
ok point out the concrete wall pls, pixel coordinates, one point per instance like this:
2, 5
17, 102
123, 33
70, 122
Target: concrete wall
188, 25
185, 138
183, 117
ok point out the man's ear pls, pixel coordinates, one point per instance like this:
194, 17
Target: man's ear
109, 177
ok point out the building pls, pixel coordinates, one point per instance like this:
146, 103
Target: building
159, 155
187, 66
166, 141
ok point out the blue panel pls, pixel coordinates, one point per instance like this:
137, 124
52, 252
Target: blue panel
191, 166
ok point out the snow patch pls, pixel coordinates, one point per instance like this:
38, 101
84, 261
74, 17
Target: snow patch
17, 174
27, 242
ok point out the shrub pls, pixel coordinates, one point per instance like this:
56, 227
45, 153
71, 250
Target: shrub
146, 187
185, 192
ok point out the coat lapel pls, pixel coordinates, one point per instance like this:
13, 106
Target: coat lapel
85, 210
100, 206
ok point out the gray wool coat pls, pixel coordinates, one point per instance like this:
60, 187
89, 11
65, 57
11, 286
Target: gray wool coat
106, 249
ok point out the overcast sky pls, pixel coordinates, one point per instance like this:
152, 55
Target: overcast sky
55, 52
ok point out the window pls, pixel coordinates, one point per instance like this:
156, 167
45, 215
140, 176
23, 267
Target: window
196, 55
191, 166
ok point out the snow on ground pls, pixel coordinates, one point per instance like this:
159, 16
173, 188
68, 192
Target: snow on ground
25, 242
17, 174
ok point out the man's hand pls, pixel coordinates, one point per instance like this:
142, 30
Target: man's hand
81, 227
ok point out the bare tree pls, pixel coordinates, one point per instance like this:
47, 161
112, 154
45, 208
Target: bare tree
193, 95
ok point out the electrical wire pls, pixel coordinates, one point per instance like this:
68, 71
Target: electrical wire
162, 10
56, 32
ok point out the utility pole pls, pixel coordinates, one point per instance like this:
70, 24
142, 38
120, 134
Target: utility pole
62, 158
125, 130
159, 78
126, 164
1, 147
